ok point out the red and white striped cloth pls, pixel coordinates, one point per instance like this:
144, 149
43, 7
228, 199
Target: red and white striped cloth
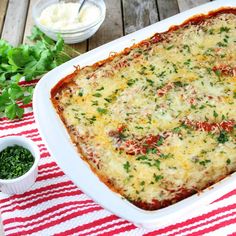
55, 206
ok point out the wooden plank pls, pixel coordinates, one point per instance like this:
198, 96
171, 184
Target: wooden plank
13, 29
138, 14
29, 22
111, 28
81, 47
167, 8
3, 9
188, 4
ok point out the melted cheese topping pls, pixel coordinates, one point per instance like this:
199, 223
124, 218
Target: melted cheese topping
159, 122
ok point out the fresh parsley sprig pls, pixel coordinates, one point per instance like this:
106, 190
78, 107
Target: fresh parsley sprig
26, 62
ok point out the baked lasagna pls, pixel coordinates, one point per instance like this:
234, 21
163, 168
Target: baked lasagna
157, 122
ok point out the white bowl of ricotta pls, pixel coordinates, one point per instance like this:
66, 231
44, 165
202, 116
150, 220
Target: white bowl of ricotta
55, 17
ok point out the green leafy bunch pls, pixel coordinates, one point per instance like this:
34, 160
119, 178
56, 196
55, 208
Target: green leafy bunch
27, 62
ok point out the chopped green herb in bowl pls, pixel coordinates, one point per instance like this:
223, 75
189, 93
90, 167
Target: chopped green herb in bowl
19, 157
15, 161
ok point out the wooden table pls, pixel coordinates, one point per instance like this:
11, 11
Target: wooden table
122, 17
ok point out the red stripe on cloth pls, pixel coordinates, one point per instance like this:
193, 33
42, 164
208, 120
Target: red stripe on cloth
4, 119
45, 199
33, 135
50, 176
26, 105
7, 122
41, 145
47, 165
120, 230
50, 217
45, 212
40, 195
50, 170
13, 126
35, 191
87, 226
45, 154
43, 149
192, 220
34, 81
27, 132
106, 227
57, 221
36, 139
202, 224
227, 195
215, 227
233, 234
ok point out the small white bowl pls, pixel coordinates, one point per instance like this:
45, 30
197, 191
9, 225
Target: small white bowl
73, 35
24, 182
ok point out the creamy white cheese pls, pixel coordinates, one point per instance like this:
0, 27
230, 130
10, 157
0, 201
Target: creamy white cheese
65, 16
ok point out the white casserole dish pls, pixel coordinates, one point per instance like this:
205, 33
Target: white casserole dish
67, 157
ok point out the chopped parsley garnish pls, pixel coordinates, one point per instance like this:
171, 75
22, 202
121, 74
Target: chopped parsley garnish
218, 73
94, 103
142, 183
130, 82
127, 167
220, 44
108, 99
166, 156
228, 161
100, 89
215, 114
187, 62
143, 157
97, 95
157, 177
157, 164
150, 81
176, 129
234, 96
160, 141
92, 119
171, 46
203, 163
102, 110
81, 92
223, 137
186, 47
224, 29
15, 161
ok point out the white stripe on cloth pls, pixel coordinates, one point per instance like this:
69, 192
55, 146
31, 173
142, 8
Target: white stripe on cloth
110, 229
22, 202
208, 225
203, 210
75, 222
23, 226
227, 230
14, 131
43, 206
199, 212
51, 214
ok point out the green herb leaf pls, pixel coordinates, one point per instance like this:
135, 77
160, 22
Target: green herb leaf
102, 110
157, 177
27, 62
223, 137
127, 167
97, 95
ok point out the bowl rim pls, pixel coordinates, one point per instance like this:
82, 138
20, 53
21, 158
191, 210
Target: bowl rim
18, 140
101, 5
